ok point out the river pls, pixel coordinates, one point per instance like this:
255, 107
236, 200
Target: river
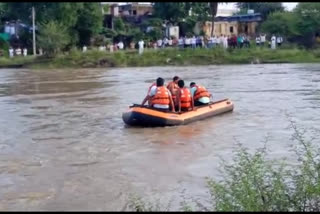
64, 146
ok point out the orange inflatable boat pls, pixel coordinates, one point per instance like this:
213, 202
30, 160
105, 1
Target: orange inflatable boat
138, 115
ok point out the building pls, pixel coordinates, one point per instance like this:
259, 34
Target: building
132, 12
135, 9
226, 12
233, 25
172, 31
110, 8
14, 28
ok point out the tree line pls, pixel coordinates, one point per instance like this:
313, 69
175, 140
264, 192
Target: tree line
63, 25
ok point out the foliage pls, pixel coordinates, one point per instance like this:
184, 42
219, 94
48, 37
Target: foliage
265, 8
282, 23
214, 9
89, 22
200, 10
301, 26
53, 37
83, 20
109, 33
173, 12
252, 183
99, 40
178, 12
125, 31
4, 47
153, 28
173, 56
308, 23
187, 26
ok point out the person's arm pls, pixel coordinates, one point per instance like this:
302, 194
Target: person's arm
169, 87
145, 100
179, 100
192, 103
171, 101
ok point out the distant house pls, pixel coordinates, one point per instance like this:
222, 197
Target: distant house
232, 25
226, 12
135, 9
133, 12
14, 28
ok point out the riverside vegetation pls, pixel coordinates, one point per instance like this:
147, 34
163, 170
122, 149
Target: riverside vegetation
254, 183
130, 58
63, 27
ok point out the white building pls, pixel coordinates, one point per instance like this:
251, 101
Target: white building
226, 12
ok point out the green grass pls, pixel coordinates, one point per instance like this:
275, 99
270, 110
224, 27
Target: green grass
169, 56
4, 61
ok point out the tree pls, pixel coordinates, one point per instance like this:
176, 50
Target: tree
265, 8
89, 22
153, 28
53, 37
202, 11
176, 12
308, 23
173, 12
283, 23
300, 26
82, 19
214, 9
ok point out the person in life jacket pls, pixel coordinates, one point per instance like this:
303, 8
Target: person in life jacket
200, 94
173, 88
153, 85
159, 97
184, 98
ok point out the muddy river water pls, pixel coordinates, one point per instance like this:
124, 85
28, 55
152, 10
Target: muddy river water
64, 146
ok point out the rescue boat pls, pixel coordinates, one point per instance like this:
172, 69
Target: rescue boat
138, 115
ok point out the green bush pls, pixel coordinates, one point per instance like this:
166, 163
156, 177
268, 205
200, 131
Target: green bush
53, 37
4, 47
254, 183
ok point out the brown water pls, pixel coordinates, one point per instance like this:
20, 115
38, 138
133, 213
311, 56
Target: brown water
63, 144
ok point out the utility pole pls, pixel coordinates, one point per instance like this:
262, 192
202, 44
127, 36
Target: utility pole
34, 32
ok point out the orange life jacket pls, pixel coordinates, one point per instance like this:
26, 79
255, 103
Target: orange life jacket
174, 90
185, 98
161, 97
200, 92
153, 84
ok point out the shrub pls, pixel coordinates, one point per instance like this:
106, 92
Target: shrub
253, 183
53, 37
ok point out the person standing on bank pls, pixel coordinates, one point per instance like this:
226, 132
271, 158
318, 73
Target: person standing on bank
141, 46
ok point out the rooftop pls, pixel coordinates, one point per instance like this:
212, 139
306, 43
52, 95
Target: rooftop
240, 18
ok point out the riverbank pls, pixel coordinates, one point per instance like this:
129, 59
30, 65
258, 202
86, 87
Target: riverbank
150, 57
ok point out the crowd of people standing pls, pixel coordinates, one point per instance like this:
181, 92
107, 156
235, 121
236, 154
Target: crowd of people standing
224, 41
17, 52
273, 43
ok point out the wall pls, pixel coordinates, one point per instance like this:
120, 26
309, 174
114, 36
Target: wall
221, 28
173, 31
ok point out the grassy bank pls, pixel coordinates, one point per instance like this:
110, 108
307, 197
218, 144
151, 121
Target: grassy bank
96, 59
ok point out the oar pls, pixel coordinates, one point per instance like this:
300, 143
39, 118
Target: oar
137, 105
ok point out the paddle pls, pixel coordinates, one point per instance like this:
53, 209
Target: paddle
137, 105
